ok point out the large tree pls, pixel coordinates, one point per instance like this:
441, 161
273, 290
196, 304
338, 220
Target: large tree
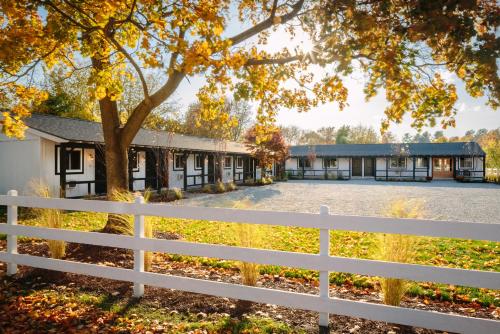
401, 45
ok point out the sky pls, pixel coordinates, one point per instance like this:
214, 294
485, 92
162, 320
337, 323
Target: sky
472, 113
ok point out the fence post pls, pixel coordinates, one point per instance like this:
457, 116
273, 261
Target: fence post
12, 239
324, 279
138, 253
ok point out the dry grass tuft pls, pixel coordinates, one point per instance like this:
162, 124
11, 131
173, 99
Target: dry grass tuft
231, 186
220, 187
51, 218
126, 222
248, 236
398, 248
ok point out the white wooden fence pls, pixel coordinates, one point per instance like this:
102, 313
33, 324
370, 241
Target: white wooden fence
322, 262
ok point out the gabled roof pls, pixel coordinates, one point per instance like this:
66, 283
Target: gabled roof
378, 150
77, 130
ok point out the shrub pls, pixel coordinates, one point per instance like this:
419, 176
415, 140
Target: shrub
397, 248
51, 218
231, 186
207, 188
249, 181
176, 193
220, 187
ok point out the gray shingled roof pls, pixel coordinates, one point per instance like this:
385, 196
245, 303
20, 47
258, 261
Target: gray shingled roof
77, 130
364, 150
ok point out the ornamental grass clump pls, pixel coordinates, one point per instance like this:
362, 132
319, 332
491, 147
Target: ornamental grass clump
397, 248
248, 236
51, 218
207, 188
231, 186
220, 187
126, 222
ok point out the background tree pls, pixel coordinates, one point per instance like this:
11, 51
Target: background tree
342, 136
292, 134
400, 46
388, 138
68, 96
273, 149
227, 124
362, 135
327, 134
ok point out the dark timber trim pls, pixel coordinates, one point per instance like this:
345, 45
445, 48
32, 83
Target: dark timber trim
184, 168
414, 166
62, 174
203, 156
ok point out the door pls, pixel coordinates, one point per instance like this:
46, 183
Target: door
369, 166
151, 161
100, 170
441, 168
210, 170
357, 166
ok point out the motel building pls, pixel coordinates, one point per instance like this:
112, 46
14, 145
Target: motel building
462, 161
67, 154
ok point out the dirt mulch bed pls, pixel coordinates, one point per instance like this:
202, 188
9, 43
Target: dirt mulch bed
183, 302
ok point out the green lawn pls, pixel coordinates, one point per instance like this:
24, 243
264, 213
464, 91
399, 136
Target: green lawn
430, 251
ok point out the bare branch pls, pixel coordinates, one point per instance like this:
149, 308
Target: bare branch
269, 61
267, 23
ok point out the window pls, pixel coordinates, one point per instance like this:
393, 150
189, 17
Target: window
198, 161
227, 162
304, 163
178, 162
134, 161
466, 163
421, 162
398, 162
330, 163
239, 162
74, 162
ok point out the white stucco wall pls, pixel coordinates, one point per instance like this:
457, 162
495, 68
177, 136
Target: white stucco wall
49, 170
19, 163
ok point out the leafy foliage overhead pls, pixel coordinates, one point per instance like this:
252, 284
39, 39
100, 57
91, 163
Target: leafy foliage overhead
402, 46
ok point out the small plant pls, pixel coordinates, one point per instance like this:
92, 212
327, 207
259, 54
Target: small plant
176, 193
249, 181
231, 186
248, 236
207, 188
220, 187
127, 221
397, 248
51, 218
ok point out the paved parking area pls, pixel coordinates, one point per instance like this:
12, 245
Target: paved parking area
449, 200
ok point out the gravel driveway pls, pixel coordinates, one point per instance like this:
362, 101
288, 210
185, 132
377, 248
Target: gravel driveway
447, 200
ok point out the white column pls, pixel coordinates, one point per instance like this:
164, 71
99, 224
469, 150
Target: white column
11, 239
324, 280
139, 254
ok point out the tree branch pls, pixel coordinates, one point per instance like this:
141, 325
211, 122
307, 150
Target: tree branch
134, 64
267, 23
271, 61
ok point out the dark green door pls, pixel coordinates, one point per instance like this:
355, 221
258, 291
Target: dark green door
369, 167
357, 166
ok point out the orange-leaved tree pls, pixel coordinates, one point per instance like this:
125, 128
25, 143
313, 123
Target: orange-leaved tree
271, 148
402, 46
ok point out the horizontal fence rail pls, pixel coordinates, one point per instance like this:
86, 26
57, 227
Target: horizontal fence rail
420, 227
322, 262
